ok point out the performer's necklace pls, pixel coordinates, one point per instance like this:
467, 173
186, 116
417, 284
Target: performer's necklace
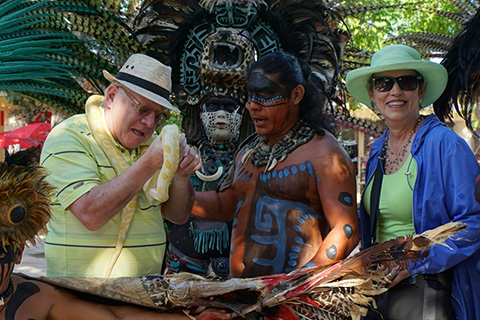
7, 293
261, 154
211, 146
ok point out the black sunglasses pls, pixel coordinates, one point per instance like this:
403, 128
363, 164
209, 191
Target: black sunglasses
406, 83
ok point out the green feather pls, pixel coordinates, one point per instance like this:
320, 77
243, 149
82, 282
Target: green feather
49, 47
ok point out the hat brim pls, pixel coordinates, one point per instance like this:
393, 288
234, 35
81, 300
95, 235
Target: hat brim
434, 74
141, 91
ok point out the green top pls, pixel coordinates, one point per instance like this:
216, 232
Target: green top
77, 164
396, 202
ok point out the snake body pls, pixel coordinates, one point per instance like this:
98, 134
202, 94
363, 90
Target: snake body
156, 188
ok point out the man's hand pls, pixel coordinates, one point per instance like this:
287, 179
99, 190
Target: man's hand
153, 157
189, 160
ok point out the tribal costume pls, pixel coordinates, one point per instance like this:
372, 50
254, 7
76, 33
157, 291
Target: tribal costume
212, 49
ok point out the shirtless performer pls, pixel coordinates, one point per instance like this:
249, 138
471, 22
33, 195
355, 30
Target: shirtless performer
31, 299
292, 192
24, 211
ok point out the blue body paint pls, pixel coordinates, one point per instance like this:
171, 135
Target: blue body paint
276, 217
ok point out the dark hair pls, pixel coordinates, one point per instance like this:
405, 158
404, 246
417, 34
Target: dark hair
289, 72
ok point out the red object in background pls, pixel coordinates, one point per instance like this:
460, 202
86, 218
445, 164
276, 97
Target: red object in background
42, 116
31, 135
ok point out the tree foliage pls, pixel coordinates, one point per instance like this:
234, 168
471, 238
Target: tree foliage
374, 28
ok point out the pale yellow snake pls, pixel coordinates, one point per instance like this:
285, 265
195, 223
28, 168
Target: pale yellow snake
156, 188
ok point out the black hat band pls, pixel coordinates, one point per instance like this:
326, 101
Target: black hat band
150, 86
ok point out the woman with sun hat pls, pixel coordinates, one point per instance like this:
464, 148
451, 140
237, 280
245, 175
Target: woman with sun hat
420, 175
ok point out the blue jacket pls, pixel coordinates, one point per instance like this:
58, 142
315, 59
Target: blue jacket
444, 192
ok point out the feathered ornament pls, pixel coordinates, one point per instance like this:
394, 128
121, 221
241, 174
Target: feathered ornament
203, 65
24, 197
55, 50
462, 62
344, 118
342, 290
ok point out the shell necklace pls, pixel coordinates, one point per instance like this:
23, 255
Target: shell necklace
7, 293
394, 160
261, 154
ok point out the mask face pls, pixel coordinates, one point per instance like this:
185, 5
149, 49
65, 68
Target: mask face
221, 118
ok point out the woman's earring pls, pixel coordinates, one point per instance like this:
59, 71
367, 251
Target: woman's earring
374, 106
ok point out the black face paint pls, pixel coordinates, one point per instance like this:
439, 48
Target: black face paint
7, 256
346, 199
7, 262
215, 104
332, 252
348, 231
264, 92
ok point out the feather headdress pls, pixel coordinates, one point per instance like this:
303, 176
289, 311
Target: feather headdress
462, 62
24, 198
312, 30
53, 51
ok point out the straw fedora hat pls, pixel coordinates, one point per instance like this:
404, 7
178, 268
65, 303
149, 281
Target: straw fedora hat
398, 57
146, 76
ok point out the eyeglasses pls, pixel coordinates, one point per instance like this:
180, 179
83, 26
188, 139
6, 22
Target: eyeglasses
144, 111
406, 83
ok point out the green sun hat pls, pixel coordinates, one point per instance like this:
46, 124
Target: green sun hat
398, 57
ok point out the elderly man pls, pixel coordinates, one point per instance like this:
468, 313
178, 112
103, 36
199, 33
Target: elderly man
24, 211
99, 161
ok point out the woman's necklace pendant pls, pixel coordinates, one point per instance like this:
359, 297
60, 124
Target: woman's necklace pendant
392, 165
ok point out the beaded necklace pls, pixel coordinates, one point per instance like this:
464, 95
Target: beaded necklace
261, 154
214, 155
394, 160
214, 146
7, 293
